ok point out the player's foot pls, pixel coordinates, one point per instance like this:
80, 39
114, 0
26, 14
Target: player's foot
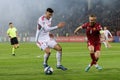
13, 54
87, 68
61, 67
45, 65
99, 67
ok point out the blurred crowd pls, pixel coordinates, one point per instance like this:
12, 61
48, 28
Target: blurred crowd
77, 13
74, 13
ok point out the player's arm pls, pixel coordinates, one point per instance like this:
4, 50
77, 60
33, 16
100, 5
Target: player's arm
77, 29
83, 26
9, 36
47, 28
37, 32
8, 33
109, 33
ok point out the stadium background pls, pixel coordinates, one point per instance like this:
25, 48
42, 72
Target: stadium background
24, 15
27, 64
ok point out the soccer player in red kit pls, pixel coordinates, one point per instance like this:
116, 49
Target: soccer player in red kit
93, 32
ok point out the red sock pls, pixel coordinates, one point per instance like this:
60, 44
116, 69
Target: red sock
93, 58
97, 59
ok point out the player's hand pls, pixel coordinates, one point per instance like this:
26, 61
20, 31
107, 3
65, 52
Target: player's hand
75, 32
61, 24
9, 37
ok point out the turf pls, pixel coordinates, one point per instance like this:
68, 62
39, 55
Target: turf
27, 64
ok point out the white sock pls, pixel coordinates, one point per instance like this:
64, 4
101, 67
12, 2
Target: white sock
96, 65
46, 57
59, 57
89, 65
105, 44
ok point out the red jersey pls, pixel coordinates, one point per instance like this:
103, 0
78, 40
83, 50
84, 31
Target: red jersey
92, 32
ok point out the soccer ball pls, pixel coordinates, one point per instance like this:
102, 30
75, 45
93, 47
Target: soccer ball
48, 70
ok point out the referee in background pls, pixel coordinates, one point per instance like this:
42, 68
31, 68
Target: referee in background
12, 33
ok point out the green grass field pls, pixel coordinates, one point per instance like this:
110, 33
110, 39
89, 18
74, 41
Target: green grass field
27, 64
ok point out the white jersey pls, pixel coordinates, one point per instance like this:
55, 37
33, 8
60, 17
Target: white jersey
43, 29
107, 33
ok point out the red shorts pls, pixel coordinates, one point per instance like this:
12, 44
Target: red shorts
97, 45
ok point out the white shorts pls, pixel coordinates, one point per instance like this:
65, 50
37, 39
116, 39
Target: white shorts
44, 44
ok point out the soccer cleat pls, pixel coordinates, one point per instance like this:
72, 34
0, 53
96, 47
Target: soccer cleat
87, 68
45, 65
13, 54
99, 67
61, 67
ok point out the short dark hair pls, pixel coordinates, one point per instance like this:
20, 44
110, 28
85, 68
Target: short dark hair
92, 15
50, 10
10, 23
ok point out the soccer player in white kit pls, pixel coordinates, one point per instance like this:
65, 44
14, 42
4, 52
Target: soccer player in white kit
45, 40
106, 34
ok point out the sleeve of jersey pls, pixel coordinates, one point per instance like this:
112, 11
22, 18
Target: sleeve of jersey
45, 27
84, 26
110, 33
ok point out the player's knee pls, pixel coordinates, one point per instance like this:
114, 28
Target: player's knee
97, 54
15, 46
47, 50
91, 51
59, 49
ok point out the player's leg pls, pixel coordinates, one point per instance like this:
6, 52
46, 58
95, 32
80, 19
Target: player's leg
58, 48
108, 44
16, 43
97, 55
46, 56
105, 43
92, 55
43, 46
53, 44
13, 46
13, 50
97, 49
